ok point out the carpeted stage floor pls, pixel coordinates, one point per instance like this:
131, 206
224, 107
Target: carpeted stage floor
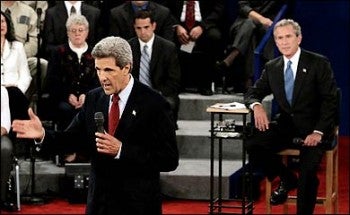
178, 206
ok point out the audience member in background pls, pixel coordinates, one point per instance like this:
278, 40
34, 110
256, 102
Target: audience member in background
55, 32
105, 9
162, 70
121, 19
71, 72
39, 5
254, 18
25, 22
201, 26
125, 162
6, 150
304, 87
15, 75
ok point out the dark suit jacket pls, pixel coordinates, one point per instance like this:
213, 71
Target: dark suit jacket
149, 147
164, 66
122, 18
314, 102
55, 32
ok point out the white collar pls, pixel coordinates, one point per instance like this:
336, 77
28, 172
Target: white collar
125, 93
69, 5
149, 43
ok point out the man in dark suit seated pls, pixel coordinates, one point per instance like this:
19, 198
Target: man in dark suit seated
125, 162
198, 27
55, 32
305, 90
253, 20
162, 72
121, 19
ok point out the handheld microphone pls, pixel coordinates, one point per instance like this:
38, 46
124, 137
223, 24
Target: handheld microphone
298, 141
99, 120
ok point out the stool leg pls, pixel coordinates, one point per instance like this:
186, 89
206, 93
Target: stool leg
17, 187
268, 196
335, 181
329, 181
285, 205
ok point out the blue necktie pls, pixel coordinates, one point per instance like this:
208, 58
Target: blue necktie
289, 82
144, 67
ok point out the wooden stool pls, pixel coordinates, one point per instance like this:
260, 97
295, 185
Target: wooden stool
330, 200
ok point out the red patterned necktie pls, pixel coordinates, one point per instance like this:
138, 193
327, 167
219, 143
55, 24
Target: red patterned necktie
113, 117
189, 19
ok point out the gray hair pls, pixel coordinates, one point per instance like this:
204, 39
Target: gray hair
285, 22
115, 47
77, 20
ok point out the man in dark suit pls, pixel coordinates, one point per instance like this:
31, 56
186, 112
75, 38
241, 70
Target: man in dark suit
55, 31
252, 21
307, 109
125, 162
205, 31
164, 69
121, 19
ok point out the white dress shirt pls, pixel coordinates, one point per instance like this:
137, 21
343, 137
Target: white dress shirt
123, 98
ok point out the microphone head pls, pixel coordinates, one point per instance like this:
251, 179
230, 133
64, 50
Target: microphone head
99, 118
298, 141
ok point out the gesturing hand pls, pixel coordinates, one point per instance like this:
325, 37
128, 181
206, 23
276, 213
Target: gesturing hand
31, 128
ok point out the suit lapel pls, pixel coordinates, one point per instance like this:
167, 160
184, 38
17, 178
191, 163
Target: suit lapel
300, 76
279, 80
62, 14
155, 50
130, 112
137, 58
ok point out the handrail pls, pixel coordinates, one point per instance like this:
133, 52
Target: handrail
259, 49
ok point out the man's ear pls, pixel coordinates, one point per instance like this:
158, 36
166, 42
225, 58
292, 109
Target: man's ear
127, 69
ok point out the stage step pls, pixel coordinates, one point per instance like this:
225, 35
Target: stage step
191, 180
193, 140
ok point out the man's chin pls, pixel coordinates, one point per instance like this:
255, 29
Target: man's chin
108, 92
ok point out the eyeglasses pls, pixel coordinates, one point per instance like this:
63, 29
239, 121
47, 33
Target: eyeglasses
80, 30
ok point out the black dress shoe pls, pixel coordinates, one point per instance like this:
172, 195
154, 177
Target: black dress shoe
221, 68
219, 90
206, 92
280, 195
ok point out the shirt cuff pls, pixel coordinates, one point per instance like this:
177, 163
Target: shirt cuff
253, 104
318, 132
40, 141
119, 151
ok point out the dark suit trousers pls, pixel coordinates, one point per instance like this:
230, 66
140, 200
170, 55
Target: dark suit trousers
198, 66
262, 148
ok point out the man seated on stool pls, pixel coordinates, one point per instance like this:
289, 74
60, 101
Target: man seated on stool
307, 109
